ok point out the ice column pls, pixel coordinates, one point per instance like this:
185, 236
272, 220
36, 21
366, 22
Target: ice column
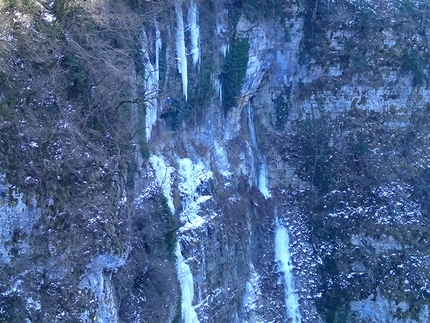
158, 45
194, 31
188, 314
283, 258
221, 30
192, 178
180, 47
218, 88
250, 303
262, 178
151, 78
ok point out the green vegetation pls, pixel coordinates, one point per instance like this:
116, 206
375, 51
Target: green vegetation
287, 36
205, 88
77, 78
4, 81
255, 10
170, 223
413, 63
177, 318
177, 112
233, 72
317, 163
313, 30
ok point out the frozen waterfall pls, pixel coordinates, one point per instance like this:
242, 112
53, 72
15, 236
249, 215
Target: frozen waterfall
262, 179
192, 179
221, 30
218, 88
180, 47
158, 45
283, 258
194, 31
188, 314
262, 175
151, 77
250, 298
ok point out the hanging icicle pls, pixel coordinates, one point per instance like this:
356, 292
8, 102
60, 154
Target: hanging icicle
194, 31
180, 47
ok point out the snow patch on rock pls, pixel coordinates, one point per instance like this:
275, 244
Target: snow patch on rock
97, 278
221, 160
380, 309
14, 215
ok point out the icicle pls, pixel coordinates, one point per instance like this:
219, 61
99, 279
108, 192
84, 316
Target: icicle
151, 77
158, 45
250, 303
224, 48
188, 314
251, 125
283, 257
262, 179
218, 87
195, 32
262, 176
180, 47
221, 29
153, 82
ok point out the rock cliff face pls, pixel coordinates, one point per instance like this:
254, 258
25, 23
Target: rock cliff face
215, 161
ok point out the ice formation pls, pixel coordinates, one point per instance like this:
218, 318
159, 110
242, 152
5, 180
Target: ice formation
221, 160
283, 258
192, 179
221, 30
262, 179
194, 31
262, 175
158, 45
151, 78
252, 291
180, 47
218, 88
188, 314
